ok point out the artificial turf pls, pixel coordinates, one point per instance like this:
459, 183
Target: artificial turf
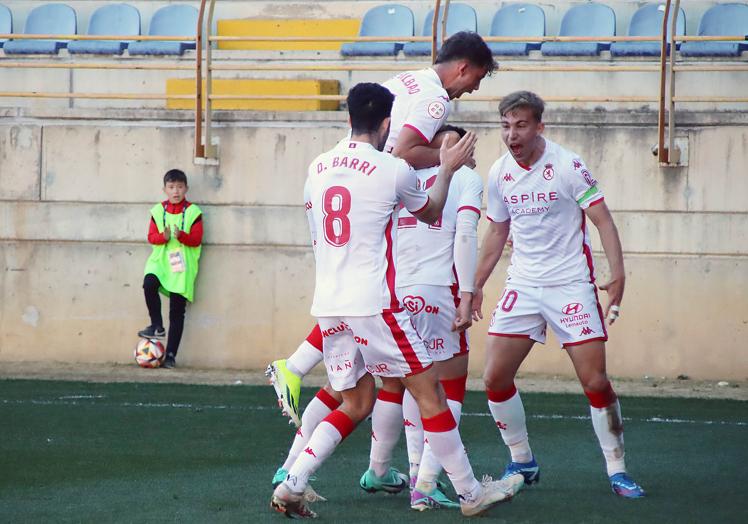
85, 452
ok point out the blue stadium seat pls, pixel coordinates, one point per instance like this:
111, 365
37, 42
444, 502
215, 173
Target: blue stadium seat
591, 19
724, 20
172, 20
383, 20
461, 17
517, 20
6, 23
48, 19
113, 19
647, 21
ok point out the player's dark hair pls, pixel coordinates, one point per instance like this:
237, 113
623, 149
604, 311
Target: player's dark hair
368, 105
447, 127
467, 45
175, 175
521, 99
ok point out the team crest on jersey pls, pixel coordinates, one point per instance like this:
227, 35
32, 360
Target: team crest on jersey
436, 110
548, 172
588, 178
577, 163
508, 177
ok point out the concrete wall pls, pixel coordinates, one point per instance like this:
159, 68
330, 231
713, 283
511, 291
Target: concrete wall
76, 186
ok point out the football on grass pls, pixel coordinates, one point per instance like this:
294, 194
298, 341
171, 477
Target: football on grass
149, 353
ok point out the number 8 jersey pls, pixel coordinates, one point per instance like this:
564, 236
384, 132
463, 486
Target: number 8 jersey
351, 195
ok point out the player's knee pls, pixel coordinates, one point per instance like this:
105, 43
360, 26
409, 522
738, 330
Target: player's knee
151, 282
596, 383
495, 380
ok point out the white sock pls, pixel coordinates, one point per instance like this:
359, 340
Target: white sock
307, 355
413, 433
608, 426
318, 408
509, 414
430, 465
443, 437
325, 438
386, 423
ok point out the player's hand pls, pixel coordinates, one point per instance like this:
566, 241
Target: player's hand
167, 233
614, 288
471, 163
463, 319
477, 304
453, 157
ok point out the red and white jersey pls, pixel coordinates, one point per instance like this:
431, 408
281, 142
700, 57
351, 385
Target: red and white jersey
352, 194
421, 103
545, 203
426, 252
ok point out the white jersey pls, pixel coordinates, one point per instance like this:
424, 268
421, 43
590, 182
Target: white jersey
421, 103
426, 252
352, 194
545, 203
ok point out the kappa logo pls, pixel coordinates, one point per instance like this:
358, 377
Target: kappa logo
408, 424
373, 436
500, 425
576, 163
508, 177
436, 110
572, 309
310, 451
299, 433
548, 172
586, 331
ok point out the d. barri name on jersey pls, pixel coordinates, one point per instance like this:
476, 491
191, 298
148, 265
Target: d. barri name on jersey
350, 162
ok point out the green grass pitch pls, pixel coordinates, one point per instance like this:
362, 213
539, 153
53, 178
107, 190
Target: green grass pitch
82, 452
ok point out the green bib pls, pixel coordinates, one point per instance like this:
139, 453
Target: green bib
181, 281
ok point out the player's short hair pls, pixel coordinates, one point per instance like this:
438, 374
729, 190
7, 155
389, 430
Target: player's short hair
368, 105
520, 99
447, 127
467, 45
175, 175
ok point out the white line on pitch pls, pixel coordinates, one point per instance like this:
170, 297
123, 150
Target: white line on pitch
176, 405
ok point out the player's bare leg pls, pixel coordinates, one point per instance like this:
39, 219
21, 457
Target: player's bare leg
605, 410
289, 495
386, 424
440, 429
504, 355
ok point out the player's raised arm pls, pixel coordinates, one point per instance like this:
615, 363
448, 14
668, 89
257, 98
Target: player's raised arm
451, 158
600, 215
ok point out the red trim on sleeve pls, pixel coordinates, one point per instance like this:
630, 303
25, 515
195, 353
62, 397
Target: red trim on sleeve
601, 399
389, 396
154, 236
327, 399
502, 395
471, 208
195, 237
440, 423
596, 202
422, 207
417, 131
341, 422
315, 337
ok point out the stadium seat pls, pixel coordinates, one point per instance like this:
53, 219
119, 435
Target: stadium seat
172, 20
461, 17
383, 20
591, 19
114, 19
6, 23
48, 19
647, 21
724, 20
517, 20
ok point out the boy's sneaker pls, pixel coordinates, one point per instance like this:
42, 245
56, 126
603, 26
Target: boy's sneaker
529, 470
169, 362
291, 504
287, 387
152, 332
280, 476
391, 482
493, 492
435, 500
625, 486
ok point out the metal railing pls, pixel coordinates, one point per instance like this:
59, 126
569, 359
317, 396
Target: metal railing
204, 67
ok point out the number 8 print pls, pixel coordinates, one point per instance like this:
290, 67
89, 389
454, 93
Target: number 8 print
336, 204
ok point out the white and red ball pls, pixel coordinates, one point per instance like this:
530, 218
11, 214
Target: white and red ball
149, 353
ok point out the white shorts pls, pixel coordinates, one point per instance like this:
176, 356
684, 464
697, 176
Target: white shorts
386, 345
433, 310
572, 311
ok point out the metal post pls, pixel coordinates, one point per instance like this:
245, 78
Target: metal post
662, 156
434, 24
199, 149
211, 151
673, 155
